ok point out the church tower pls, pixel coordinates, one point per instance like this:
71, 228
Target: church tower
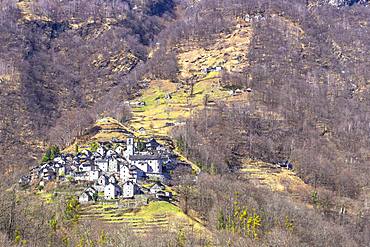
130, 146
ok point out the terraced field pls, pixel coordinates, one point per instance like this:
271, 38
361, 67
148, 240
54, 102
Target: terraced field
157, 215
168, 104
277, 179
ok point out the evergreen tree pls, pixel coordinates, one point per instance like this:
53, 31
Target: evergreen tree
50, 154
94, 147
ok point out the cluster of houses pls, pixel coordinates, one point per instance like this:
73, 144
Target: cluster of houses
116, 169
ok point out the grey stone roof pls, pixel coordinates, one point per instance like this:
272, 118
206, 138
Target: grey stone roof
145, 157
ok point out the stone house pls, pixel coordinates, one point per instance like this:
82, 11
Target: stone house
91, 190
24, 180
112, 191
89, 195
102, 163
85, 198
148, 163
119, 150
142, 130
48, 174
110, 153
152, 144
163, 195
74, 168
156, 188
112, 179
124, 173
101, 151
136, 173
85, 167
59, 160
94, 175
113, 164
103, 180
34, 172
81, 176
143, 166
86, 153
60, 170
129, 189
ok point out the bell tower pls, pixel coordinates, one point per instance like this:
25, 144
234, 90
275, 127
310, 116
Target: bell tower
130, 146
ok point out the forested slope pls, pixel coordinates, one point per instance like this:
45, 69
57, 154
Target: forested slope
310, 95
301, 67
58, 58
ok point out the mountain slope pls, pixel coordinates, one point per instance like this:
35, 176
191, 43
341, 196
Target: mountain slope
237, 86
58, 64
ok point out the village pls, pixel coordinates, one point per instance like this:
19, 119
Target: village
118, 169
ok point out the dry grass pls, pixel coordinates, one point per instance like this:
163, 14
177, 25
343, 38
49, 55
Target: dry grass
228, 51
27, 13
276, 179
109, 128
158, 214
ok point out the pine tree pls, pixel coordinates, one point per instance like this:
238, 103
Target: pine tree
94, 146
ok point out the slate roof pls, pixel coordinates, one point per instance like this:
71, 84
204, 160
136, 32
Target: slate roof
145, 157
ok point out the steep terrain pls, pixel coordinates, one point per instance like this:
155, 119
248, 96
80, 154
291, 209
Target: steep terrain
167, 104
57, 65
237, 87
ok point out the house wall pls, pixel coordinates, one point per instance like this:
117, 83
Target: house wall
93, 175
112, 180
85, 168
128, 190
83, 198
141, 164
124, 173
109, 192
102, 181
62, 171
149, 166
113, 165
103, 165
99, 188
155, 166
100, 151
119, 150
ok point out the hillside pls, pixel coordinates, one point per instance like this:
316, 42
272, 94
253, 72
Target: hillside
236, 88
168, 104
57, 65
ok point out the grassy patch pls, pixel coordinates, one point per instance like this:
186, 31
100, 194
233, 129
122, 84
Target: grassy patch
109, 129
156, 214
157, 208
277, 179
47, 197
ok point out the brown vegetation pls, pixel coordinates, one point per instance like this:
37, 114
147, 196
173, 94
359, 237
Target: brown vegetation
63, 65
